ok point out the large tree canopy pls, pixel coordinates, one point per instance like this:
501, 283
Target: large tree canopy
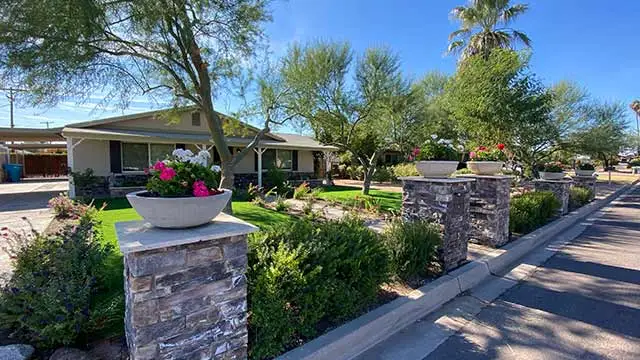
358, 115
184, 50
604, 135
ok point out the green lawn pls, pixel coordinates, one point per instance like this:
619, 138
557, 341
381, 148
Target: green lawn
346, 195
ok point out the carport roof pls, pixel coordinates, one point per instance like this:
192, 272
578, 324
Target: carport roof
30, 134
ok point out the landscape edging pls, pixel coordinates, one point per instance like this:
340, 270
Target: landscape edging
353, 338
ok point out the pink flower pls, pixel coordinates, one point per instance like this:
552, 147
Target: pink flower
472, 154
410, 158
416, 151
159, 166
200, 189
167, 174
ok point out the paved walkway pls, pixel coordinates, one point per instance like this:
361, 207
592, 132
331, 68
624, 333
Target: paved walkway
582, 303
23, 206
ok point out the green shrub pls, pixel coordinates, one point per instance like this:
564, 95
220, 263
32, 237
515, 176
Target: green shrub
383, 174
355, 172
634, 162
54, 295
364, 202
406, 169
301, 191
412, 246
531, 210
276, 178
579, 196
463, 171
64, 207
304, 277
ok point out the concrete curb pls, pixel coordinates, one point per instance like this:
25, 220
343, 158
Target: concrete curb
356, 336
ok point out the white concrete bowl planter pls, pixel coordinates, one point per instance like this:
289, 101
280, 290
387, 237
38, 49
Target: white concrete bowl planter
552, 175
178, 212
585, 172
485, 167
436, 168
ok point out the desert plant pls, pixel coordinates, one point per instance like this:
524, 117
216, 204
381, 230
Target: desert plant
63, 207
406, 169
281, 204
579, 196
301, 191
531, 210
52, 298
413, 247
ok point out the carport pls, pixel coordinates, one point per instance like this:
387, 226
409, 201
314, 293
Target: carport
39, 151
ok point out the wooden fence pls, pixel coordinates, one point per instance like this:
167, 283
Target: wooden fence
45, 165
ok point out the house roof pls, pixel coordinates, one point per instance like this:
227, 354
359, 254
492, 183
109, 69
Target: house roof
291, 141
28, 134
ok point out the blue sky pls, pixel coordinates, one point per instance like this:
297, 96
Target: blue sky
593, 43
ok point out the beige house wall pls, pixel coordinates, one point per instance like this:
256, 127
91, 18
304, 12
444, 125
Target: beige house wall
92, 154
305, 161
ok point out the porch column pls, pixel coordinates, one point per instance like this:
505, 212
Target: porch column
328, 156
259, 151
70, 146
72, 188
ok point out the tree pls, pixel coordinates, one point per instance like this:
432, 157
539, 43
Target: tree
356, 115
496, 100
635, 106
484, 26
185, 49
604, 136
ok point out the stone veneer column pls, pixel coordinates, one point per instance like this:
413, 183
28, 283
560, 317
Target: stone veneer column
588, 182
185, 290
559, 188
490, 195
445, 201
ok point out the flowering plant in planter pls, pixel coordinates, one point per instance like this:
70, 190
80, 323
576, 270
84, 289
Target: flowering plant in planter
184, 175
553, 167
584, 166
436, 157
483, 153
182, 192
436, 149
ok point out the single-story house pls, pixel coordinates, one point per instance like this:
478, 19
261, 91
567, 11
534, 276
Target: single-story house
118, 149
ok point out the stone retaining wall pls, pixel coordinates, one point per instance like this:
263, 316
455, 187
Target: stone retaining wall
489, 206
559, 188
587, 182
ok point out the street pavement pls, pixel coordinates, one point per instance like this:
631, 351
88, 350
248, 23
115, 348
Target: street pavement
582, 303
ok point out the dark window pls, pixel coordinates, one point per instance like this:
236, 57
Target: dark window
195, 119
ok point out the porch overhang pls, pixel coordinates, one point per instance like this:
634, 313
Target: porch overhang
185, 138
30, 134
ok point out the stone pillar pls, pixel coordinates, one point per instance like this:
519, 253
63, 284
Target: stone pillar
559, 188
445, 201
587, 182
185, 290
490, 195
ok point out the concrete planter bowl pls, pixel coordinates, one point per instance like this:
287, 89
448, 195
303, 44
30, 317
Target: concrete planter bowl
485, 167
181, 212
436, 168
552, 175
585, 172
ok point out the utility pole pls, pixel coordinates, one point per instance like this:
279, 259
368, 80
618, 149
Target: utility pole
11, 100
46, 122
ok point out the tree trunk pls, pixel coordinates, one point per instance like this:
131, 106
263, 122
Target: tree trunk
226, 182
368, 176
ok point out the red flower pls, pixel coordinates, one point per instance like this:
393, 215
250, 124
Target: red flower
482, 148
501, 146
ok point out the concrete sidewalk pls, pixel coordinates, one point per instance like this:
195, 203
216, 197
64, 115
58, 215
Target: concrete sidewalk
581, 303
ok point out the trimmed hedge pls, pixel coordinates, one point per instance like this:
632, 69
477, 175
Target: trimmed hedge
304, 277
531, 210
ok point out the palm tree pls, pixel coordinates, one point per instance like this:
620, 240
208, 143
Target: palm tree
485, 26
635, 106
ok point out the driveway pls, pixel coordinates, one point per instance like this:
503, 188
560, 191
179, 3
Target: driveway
23, 206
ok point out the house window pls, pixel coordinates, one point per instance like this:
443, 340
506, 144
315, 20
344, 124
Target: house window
135, 156
160, 151
281, 159
138, 156
195, 119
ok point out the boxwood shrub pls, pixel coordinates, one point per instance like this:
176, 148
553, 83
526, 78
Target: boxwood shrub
531, 210
304, 277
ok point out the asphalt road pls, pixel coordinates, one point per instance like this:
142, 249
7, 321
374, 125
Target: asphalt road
583, 303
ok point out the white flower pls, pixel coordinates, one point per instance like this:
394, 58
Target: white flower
178, 153
448, 142
204, 153
434, 136
216, 168
442, 141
